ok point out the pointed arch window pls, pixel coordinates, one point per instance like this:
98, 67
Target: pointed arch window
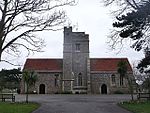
56, 79
80, 79
113, 79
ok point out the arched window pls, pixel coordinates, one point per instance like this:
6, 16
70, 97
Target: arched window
113, 79
56, 79
79, 79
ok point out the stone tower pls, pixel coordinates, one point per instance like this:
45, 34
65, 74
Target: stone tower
76, 64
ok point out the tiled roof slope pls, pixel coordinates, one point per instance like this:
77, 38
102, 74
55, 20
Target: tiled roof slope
44, 64
97, 64
107, 64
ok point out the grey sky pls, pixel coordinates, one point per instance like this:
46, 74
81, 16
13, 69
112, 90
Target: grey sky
88, 16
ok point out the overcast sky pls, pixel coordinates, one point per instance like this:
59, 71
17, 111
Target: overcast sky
91, 17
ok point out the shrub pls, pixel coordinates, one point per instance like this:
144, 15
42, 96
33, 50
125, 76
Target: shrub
66, 92
118, 92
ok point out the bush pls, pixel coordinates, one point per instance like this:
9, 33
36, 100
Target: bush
83, 92
57, 93
66, 92
80, 92
118, 92
76, 92
32, 92
18, 91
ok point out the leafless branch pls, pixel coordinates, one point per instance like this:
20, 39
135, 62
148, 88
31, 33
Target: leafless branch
22, 18
10, 63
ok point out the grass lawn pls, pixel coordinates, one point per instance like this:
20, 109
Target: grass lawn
137, 107
6, 107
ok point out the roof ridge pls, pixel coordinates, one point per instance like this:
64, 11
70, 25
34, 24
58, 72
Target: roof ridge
110, 58
43, 58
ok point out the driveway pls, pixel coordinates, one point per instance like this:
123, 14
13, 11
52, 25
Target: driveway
77, 103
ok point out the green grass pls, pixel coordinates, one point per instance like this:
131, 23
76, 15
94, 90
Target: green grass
6, 107
137, 107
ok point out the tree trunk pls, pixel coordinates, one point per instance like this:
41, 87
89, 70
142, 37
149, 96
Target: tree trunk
27, 94
121, 80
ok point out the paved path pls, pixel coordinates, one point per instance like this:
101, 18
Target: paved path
77, 103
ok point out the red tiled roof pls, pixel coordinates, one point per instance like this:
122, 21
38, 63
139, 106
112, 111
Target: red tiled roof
107, 64
97, 64
44, 64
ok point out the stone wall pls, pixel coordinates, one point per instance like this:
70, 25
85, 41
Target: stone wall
48, 79
100, 78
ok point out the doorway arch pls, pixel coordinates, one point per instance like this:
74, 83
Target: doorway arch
42, 89
104, 89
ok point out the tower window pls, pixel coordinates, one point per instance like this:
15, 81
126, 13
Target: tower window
113, 78
77, 47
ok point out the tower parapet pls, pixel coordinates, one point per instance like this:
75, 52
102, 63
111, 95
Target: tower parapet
67, 29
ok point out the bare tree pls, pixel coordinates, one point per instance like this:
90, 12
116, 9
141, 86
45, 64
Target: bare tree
123, 5
21, 19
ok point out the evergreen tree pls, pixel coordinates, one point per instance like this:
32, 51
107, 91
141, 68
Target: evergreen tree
133, 23
10, 78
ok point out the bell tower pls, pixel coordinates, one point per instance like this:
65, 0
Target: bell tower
76, 67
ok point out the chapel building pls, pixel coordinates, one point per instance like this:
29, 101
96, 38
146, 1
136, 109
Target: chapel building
77, 72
